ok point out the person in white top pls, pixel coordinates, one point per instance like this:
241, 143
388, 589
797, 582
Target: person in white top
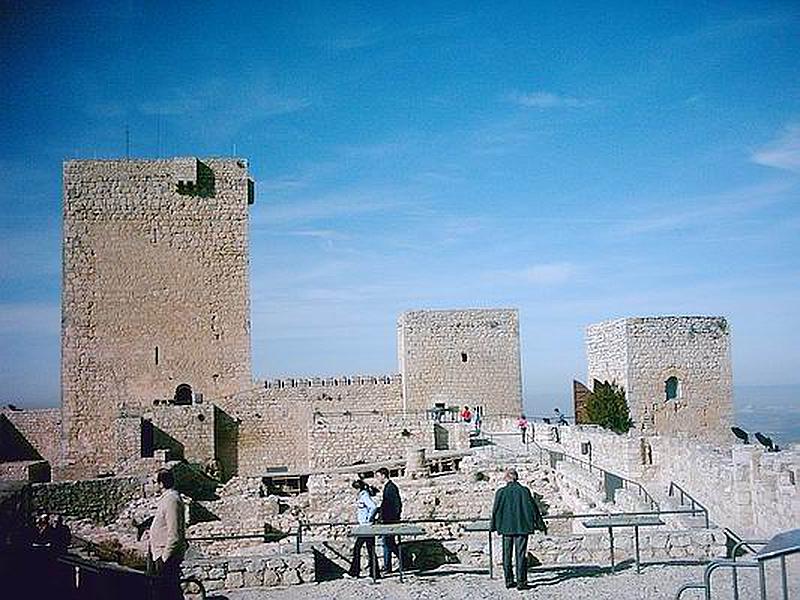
365, 513
167, 539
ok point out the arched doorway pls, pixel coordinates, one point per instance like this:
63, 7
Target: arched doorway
672, 388
183, 394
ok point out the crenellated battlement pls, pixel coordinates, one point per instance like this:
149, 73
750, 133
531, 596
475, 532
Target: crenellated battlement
342, 381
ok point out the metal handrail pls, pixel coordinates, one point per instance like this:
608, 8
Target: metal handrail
741, 543
706, 585
625, 481
684, 494
306, 525
641, 491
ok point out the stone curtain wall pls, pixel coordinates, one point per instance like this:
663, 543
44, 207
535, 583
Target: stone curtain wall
753, 492
745, 488
348, 392
100, 500
270, 433
461, 357
339, 439
41, 429
276, 420
620, 454
155, 289
642, 353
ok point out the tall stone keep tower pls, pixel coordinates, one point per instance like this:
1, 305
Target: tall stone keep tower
676, 371
155, 298
461, 357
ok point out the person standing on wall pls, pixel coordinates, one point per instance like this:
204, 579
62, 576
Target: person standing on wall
515, 516
522, 424
391, 508
466, 414
365, 513
167, 539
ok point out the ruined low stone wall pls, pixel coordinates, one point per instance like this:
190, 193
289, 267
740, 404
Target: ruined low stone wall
100, 500
656, 544
233, 572
472, 549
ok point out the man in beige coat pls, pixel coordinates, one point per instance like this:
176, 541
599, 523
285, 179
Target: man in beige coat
167, 538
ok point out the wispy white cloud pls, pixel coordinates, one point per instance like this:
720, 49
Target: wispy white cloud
543, 100
783, 152
228, 104
542, 274
700, 211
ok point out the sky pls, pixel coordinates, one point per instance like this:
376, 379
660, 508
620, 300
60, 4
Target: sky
576, 162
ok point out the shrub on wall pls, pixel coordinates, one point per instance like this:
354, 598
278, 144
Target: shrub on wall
606, 406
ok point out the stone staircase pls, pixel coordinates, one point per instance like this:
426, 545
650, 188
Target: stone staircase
673, 502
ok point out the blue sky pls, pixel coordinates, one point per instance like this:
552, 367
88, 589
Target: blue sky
578, 163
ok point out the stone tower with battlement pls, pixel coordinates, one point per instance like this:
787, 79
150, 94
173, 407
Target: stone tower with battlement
155, 300
676, 371
461, 357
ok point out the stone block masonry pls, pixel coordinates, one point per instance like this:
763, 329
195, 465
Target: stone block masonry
155, 290
100, 500
753, 492
30, 434
321, 423
676, 372
459, 357
232, 572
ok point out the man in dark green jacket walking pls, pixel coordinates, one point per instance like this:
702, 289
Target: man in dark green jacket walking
515, 516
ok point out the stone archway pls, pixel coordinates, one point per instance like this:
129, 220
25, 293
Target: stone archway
183, 394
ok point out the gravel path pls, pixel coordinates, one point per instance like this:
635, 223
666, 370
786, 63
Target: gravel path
656, 582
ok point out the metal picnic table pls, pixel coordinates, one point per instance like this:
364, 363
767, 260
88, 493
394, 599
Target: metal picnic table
483, 525
612, 521
397, 529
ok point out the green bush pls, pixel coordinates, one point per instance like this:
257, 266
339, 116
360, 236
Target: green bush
607, 407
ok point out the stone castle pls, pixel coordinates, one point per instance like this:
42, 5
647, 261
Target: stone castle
156, 372
156, 349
